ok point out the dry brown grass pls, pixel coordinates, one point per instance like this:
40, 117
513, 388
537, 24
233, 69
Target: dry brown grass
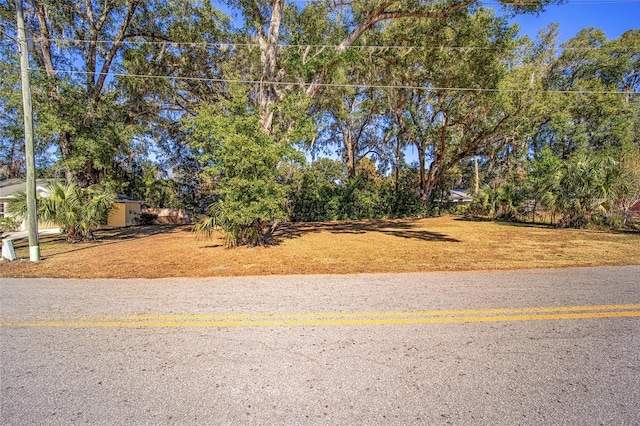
409, 245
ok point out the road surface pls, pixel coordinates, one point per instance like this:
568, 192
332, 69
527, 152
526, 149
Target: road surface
518, 347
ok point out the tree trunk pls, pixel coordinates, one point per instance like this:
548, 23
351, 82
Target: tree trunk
351, 158
396, 173
476, 186
422, 175
433, 178
268, 55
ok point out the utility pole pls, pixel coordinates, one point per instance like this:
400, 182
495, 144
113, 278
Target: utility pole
32, 219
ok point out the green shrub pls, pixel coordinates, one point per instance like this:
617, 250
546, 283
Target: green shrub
9, 224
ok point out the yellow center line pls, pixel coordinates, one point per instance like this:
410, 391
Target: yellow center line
336, 318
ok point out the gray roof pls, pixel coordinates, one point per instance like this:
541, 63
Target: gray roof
123, 198
460, 195
10, 187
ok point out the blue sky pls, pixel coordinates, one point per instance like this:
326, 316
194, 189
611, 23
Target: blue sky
614, 17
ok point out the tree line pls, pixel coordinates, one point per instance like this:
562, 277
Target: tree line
258, 111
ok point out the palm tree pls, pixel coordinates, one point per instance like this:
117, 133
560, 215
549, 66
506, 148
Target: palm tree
78, 211
508, 200
579, 188
235, 231
485, 201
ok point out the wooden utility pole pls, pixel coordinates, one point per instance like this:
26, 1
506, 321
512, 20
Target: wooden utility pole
32, 219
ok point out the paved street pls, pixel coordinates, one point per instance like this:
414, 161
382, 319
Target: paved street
518, 347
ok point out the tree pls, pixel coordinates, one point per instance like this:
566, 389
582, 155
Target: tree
242, 162
597, 109
183, 47
97, 121
590, 135
11, 132
361, 195
541, 172
353, 121
81, 116
447, 125
265, 18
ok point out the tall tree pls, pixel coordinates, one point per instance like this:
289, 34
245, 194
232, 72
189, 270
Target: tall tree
77, 44
243, 161
12, 157
463, 100
357, 18
176, 60
598, 108
354, 121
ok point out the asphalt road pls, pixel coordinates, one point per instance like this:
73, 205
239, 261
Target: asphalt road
520, 347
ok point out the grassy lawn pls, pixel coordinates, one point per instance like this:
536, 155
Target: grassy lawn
409, 245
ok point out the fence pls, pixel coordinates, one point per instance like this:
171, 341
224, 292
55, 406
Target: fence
169, 216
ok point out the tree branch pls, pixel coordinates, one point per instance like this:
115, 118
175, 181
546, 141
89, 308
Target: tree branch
375, 16
45, 41
133, 4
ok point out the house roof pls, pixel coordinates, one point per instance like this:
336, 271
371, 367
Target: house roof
10, 187
460, 195
124, 199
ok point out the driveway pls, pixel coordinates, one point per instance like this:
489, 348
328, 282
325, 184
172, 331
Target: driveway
16, 235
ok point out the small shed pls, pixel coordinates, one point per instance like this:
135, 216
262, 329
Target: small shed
125, 211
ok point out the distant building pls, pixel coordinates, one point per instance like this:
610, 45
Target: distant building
460, 196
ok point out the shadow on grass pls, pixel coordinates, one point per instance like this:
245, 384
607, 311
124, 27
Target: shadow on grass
632, 228
104, 236
135, 232
507, 222
398, 228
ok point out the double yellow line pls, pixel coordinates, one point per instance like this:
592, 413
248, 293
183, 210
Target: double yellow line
328, 319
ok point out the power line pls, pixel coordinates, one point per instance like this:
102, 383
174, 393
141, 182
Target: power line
223, 46
348, 85
229, 45
571, 3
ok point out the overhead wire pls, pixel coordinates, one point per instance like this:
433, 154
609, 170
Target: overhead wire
347, 85
229, 45
517, 3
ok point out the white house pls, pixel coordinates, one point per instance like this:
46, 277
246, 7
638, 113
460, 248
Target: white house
124, 212
8, 190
